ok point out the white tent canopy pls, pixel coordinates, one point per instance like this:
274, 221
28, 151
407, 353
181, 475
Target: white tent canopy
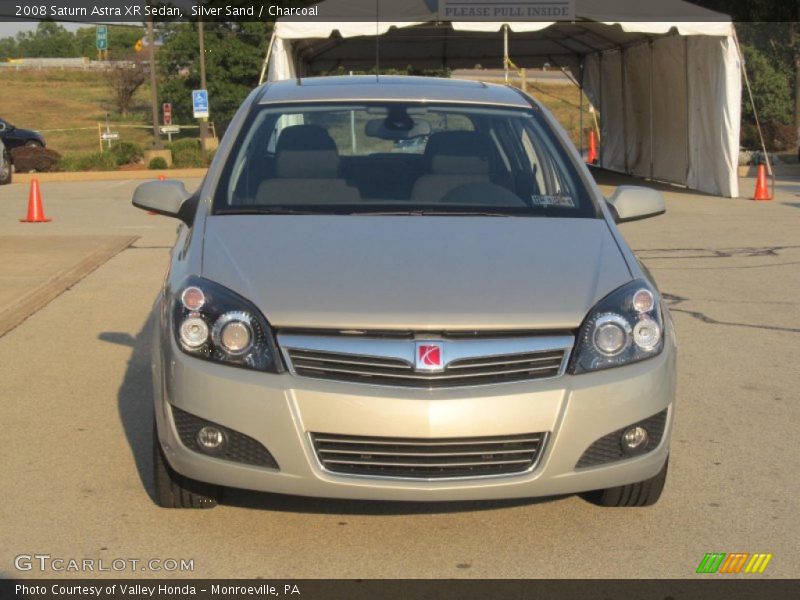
668, 91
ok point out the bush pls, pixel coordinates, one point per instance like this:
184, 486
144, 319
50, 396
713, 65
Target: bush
771, 91
34, 158
127, 153
777, 137
157, 163
186, 153
92, 161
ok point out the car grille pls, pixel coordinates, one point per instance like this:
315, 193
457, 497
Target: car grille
395, 371
423, 458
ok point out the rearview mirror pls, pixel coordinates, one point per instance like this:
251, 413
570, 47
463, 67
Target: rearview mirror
631, 203
385, 129
169, 198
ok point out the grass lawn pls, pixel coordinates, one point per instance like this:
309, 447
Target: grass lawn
70, 99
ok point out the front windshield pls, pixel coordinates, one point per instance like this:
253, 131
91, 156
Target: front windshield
400, 158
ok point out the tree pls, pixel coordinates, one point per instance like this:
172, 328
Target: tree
234, 52
121, 41
124, 78
8, 48
49, 40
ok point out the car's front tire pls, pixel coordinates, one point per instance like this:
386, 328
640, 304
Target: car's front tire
173, 490
642, 493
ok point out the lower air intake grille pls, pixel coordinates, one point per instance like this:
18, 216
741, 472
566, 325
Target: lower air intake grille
609, 449
238, 447
414, 458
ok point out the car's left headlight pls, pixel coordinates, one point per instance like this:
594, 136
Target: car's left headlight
624, 327
214, 323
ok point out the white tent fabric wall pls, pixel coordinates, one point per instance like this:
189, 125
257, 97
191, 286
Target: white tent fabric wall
668, 93
693, 133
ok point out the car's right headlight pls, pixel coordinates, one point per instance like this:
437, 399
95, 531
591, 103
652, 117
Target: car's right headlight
214, 323
624, 327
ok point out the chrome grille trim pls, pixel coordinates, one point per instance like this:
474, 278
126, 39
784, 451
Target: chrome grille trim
418, 459
390, 361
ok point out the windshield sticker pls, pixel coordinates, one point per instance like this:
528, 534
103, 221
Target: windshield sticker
559, 201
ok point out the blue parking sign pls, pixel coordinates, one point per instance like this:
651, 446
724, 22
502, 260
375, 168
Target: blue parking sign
200, 104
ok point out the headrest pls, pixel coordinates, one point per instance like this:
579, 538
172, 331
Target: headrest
458, 152
306, 152
305, 137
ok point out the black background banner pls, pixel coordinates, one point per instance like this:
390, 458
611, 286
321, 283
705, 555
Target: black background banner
136, 11
714, 587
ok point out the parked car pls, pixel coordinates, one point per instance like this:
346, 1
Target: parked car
5, 165
14, 137
345, 321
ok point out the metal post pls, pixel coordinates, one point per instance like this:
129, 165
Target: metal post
203, 122
151, 42
580, 120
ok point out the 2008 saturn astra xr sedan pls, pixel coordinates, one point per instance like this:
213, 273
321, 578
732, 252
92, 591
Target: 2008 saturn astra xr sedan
406, 288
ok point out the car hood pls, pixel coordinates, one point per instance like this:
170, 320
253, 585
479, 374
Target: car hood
415, 272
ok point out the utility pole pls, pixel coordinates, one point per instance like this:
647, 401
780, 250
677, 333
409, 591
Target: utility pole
151, 42
203, 121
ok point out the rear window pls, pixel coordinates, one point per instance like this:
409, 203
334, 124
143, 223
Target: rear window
400, 158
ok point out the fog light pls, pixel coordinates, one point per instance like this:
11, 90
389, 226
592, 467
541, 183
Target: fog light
210, 439
634, 439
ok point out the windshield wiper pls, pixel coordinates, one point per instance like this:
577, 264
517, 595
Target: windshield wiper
426, 212
268, 210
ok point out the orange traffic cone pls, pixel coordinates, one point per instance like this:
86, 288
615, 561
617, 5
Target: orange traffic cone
35, 208
591, 158
762, 189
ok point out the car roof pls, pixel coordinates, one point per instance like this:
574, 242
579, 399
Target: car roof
390, 88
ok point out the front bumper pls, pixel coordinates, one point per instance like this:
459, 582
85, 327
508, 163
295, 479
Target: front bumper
280, 411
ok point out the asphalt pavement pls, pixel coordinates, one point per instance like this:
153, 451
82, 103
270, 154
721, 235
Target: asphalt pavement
75, 412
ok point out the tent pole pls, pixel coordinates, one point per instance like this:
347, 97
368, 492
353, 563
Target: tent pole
753, 106
652, 145
505, 52
688, 108
266, 58
624, 108
600, 72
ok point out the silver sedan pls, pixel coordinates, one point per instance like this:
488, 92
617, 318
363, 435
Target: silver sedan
404, 288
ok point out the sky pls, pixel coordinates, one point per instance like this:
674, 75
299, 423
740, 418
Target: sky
10, 29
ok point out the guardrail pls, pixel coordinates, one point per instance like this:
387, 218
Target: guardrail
104, 129
63, 64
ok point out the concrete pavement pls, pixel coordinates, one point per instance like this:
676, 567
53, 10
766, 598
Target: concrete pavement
76, 415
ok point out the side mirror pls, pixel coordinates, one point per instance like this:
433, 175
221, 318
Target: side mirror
169, 198
631, 203
2, 127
